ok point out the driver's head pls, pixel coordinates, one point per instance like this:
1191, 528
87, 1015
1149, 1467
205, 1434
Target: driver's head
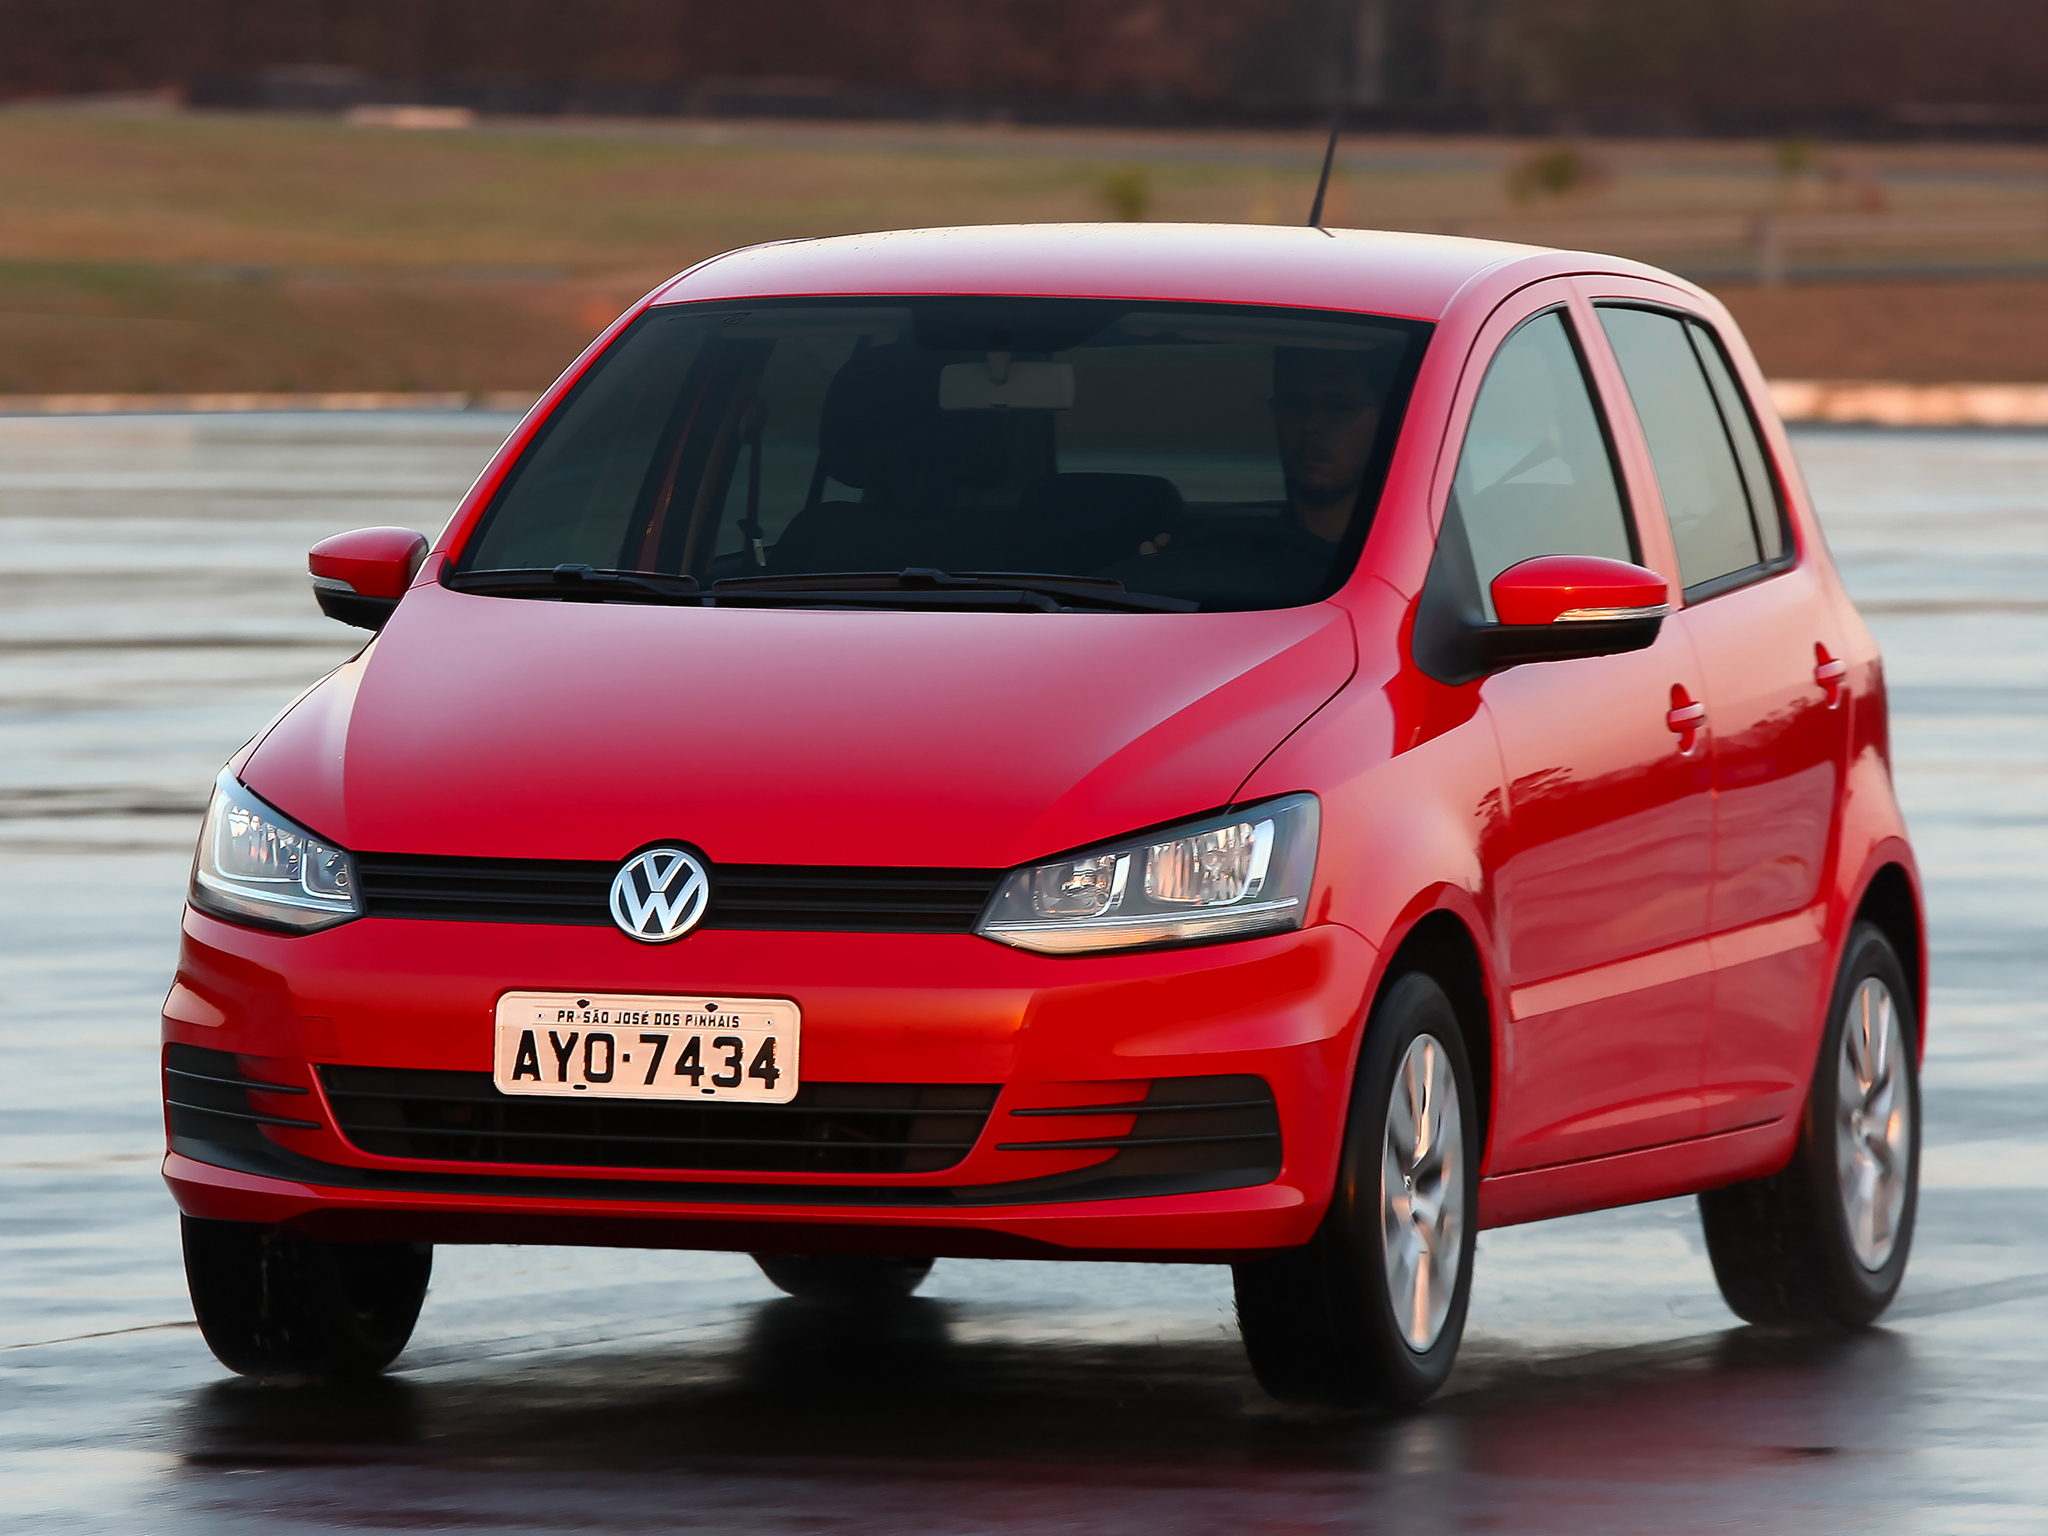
1326, 414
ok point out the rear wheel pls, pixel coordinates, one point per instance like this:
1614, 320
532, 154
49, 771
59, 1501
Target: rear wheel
273, 1302
1370, 1312
844, 1277
1824, 1240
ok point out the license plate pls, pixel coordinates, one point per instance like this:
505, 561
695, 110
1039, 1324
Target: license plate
631, 1046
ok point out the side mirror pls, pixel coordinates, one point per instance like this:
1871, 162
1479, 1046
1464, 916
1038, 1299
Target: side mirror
1561, 607
359, 577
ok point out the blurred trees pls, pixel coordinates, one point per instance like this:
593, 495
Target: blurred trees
1869, 64
1551, 66
938, 50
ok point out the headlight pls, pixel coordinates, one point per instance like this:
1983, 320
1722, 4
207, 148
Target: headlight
256, 867
1224, 877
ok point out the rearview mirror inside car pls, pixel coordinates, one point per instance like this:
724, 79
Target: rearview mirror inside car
1001, 384
358, 577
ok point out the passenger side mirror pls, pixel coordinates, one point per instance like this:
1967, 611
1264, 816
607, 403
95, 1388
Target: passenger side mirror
359, 577
1561, 607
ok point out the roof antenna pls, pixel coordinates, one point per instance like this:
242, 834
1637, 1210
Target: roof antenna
1315, 213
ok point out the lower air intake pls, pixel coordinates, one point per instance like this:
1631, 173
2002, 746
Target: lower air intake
827, 1128
206, 1095
1226, 1127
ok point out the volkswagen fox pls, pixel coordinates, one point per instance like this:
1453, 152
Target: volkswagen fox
1270, 747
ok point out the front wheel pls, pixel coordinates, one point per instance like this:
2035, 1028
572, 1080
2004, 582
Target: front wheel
1371, 1311
846, 1278
275, 1303
1824, 1240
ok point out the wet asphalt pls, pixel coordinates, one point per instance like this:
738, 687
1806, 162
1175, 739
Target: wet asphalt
153, 614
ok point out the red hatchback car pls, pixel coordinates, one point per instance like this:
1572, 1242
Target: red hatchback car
1276, 747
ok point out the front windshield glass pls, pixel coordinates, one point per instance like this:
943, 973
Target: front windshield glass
1230, 456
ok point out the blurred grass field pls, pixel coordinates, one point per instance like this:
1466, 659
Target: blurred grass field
187, 252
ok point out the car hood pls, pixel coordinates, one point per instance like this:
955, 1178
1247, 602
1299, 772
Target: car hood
494, 727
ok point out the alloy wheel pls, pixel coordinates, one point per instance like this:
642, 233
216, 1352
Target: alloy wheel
1422, 1192
1873, 1123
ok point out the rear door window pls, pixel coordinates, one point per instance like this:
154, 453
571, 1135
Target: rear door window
1716, 483
1535, 476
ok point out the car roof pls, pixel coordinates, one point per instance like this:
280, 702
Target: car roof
1367, 271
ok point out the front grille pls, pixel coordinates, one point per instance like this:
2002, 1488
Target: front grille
774, 897
207, 1096
826, 1128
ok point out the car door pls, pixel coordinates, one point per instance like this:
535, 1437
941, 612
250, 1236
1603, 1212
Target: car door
1600, 883
1768, 645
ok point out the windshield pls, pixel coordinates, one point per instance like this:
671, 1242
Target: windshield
1227, 456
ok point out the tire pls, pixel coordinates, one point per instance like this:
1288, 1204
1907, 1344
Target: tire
274, 1303
1339, 1321
845, 1278
1824, 1241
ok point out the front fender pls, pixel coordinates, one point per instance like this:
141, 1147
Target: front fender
1408, 771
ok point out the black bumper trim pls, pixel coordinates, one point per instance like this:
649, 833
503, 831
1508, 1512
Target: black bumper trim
274, 1162
249, 1115
1114, 1143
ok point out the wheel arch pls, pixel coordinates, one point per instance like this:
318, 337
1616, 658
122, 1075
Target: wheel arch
1442, 947
1891, 904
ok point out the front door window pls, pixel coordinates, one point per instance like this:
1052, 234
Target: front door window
1535, 476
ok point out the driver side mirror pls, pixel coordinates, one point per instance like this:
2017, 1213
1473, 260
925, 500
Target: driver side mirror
359, 577
1561, 607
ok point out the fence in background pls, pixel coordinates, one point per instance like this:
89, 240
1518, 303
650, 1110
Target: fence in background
1771, 248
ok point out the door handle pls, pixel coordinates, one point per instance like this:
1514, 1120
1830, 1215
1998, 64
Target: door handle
1686, 719
1829, 674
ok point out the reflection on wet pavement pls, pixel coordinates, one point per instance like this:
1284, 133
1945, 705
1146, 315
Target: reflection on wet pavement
153, 614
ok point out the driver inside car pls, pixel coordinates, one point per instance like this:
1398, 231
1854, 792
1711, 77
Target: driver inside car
1326, 420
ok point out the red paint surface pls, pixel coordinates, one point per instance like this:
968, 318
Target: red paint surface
963, 740
1779, 755
1654, 914
377, 562
1537, 591
1602, 874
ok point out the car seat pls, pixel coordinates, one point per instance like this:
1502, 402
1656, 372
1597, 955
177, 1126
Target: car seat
881, 432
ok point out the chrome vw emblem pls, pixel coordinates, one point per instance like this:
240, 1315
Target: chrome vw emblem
659, 895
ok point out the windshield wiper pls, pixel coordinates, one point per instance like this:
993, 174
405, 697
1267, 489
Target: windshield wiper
1052, 593
917, 586
580, 583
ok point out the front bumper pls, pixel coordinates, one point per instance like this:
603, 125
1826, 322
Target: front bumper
877, 1008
